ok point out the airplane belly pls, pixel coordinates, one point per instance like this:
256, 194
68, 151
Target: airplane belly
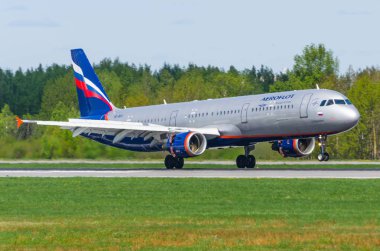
132, 144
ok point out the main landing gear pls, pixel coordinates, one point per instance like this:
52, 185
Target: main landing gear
246, 160
174, 162
323, 155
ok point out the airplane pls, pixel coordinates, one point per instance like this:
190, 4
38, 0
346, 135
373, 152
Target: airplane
291, 121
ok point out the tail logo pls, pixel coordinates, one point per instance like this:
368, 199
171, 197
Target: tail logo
89, 89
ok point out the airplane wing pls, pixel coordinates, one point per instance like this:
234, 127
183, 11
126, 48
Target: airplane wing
120, 129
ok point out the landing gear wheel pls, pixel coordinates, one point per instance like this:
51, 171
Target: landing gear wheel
251, 161
320, 157
327, 157
170, 162
246, 160
323, 157
240, 161
179, 163
174, 162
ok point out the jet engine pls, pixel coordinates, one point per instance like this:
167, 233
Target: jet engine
187, 144
294, 147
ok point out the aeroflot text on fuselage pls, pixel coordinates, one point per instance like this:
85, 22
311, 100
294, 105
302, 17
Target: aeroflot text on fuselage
278, 97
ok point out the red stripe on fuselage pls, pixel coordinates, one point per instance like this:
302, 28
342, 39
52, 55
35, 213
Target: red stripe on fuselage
90, 94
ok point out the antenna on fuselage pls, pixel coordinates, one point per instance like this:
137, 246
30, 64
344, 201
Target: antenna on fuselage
317, 86
165, 102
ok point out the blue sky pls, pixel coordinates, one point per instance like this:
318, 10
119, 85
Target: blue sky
214, 32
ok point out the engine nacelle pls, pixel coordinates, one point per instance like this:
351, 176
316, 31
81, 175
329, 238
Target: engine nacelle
294, 147
187, 144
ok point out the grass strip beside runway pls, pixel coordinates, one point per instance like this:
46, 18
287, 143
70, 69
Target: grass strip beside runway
115, 213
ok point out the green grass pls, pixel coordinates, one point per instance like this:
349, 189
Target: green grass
200, 214
188, 165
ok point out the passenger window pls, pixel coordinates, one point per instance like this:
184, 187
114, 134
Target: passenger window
339, 101
323, 103
330, 102
348, 102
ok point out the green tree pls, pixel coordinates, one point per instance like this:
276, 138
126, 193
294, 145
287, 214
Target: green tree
57, 90
261, 80
7, 123
292, 84
315, 64
55, 141
113, 87
230, 84
365, 94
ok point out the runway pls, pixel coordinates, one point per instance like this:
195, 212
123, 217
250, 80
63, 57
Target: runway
199, 173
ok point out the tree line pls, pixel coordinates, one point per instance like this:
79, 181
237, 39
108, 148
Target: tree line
49, 93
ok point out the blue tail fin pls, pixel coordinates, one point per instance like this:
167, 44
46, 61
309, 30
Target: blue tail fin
93, 100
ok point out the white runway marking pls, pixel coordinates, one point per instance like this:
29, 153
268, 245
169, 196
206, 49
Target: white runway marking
204, 173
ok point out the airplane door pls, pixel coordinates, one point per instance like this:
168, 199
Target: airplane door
305, 105
173, 118
244, 113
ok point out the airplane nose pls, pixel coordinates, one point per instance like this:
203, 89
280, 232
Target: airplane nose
352, 116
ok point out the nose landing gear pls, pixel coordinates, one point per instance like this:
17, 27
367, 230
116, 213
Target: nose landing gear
246, 160
323, 155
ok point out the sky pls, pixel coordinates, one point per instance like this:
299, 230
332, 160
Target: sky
220, 33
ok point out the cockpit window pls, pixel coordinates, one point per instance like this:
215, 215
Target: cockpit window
339, 101
348, 102
330, 102
323, 103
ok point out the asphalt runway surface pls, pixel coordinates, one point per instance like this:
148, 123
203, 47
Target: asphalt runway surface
200, 173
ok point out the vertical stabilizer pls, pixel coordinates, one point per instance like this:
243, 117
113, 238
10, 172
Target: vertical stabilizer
93, 100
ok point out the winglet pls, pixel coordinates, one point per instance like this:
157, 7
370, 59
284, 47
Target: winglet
19, 122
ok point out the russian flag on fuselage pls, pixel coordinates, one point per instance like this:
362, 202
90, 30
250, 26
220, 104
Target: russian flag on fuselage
93, 100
